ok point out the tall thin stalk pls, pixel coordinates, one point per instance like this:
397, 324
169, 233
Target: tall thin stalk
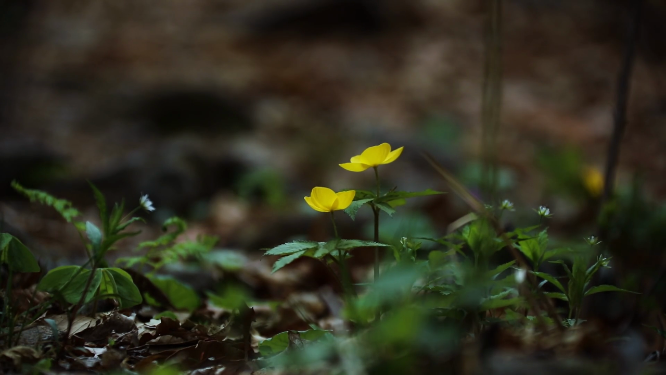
491, 101
375, 211
621, 99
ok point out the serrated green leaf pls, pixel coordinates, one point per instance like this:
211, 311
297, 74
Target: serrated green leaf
166, 239
606, 288
386, 208
551, 280
354, 207
286, 260
534, 248
62, 206
397, 202
325, 248
292, 247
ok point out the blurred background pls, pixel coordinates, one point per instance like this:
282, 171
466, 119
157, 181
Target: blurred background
227, 113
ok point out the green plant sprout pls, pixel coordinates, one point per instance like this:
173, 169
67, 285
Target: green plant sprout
78, 285
167, 249
17, 258
580, 276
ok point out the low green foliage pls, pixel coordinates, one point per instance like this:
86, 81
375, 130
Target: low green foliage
15, 255
166, 249
291, 251
64, 207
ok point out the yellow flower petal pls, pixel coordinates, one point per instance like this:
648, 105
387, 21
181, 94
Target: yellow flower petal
324, 197
314, 206
345, 198
375, 155
355, 167
356, 159
393, 155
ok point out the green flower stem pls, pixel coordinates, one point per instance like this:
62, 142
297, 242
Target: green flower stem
346, 283
335, 227
375, 210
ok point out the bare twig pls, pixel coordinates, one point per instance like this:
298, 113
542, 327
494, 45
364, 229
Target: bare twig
621, 98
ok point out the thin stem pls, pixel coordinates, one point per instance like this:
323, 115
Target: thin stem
27, 312
375, 211
335, 227
621, 100
491, 101
6, 313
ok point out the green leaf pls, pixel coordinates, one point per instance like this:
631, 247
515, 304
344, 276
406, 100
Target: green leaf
407, 194
551, 280
232, 298
534, 248
481, 238
228, 260
101, 207
125, 287
495, 272
166, 314
181, 296
325, 248
280, 342
397, 203
108, 285
95, 237
496, 303
16, 255
63, 207
606, 288
70, 282
386, 208
287, 259
166, 239
352, 244
354, 207
127, 223
292, 247
561, 296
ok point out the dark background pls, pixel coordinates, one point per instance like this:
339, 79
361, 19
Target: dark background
227, 113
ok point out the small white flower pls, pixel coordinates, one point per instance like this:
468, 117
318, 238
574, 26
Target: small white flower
146, 204
543, 211
520, 275
592, 240
507, 205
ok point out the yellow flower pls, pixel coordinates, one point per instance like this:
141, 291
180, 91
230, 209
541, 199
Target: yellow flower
593, 181
372, 157
326, 200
